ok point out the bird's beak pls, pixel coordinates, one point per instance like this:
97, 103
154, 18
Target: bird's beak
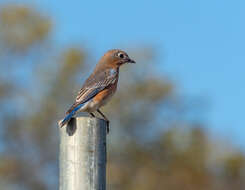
130, 60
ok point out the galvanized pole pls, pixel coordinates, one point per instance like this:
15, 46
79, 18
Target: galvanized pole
82, 159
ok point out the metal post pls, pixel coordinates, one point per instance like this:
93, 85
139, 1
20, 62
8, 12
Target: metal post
82, 159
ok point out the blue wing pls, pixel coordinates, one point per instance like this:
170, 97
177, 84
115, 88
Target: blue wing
69, 116
92, 86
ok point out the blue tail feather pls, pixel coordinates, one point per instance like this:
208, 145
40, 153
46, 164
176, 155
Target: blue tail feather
69, 116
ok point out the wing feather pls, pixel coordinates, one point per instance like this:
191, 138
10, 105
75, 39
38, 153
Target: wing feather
93, 85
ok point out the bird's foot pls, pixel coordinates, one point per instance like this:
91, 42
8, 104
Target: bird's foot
92, 115
107, 126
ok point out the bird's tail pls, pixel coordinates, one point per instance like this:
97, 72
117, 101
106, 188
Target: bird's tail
68, 117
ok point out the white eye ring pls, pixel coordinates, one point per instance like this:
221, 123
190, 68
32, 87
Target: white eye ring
121, 55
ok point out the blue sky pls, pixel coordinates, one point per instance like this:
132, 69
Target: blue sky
201, 42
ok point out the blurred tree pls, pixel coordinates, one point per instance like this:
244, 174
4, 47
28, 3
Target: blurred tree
151, 145
22, 27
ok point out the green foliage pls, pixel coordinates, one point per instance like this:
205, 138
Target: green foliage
151, 144
22, 27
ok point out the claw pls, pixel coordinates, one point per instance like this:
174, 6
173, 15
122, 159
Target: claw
92, 115
107, 126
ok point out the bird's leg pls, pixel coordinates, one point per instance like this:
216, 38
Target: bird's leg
105, 118
92, 114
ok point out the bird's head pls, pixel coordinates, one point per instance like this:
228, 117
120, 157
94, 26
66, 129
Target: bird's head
116, 58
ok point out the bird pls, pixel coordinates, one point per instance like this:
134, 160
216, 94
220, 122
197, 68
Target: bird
99, 87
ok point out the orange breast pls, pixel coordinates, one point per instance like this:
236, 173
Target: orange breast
102, 97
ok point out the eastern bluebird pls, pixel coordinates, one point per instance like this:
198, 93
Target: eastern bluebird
100, 85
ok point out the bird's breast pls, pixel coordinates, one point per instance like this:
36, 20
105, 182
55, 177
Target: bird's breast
100, 99
105, 95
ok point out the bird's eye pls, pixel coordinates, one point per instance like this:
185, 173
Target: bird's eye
120, 55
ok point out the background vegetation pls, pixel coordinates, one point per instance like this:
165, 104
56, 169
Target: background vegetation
157, 140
